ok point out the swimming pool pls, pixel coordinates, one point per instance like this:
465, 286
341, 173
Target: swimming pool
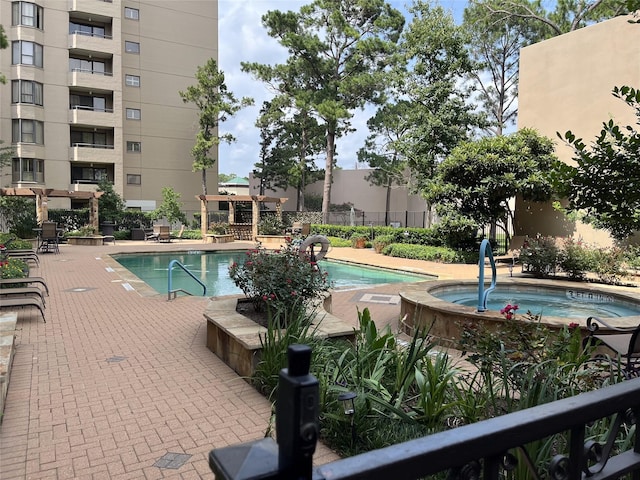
212, 268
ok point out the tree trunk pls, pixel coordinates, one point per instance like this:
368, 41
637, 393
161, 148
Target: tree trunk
328, 176
204, 181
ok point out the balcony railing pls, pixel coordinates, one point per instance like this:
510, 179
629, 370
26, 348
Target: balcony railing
92, 145
92, 72
90, 109
491, 449
91, 34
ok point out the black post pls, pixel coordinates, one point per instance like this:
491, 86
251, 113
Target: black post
297, 415
296, 430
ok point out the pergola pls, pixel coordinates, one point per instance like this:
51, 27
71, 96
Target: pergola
42, 196
232, 200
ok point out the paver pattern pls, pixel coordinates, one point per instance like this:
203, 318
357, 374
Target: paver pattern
116, 380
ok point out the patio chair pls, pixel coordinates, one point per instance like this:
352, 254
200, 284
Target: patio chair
153, 235
49, 237
178, 236
164, 233
24, 302
623, 342
26, 255
24, 281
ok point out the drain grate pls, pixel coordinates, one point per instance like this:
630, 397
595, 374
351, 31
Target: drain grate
380, 298
115, 359
79, 289
172, 460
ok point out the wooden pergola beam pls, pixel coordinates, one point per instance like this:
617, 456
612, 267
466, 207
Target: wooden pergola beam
232, 199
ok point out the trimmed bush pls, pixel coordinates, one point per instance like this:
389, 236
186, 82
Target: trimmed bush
422, 252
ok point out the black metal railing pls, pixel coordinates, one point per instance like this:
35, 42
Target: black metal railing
488, 449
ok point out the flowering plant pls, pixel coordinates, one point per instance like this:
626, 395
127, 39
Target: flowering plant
279, 280
509, 311
13, 268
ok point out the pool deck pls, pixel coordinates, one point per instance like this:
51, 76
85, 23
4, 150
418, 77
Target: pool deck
118, 379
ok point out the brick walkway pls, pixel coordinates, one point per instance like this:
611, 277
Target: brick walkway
116, 380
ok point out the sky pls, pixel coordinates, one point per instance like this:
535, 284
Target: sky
242, 38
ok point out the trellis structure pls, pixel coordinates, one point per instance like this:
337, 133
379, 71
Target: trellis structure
255, 200
42, 196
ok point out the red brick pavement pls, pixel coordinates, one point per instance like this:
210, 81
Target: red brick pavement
115, 379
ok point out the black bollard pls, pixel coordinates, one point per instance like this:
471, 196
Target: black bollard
297, 415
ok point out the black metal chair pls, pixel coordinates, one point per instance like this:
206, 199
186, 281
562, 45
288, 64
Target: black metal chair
49, 237
623, 342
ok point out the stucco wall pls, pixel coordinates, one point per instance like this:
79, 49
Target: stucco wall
565, 84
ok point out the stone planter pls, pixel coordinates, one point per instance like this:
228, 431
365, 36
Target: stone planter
235, 339
87, 241
272, 239
213, 238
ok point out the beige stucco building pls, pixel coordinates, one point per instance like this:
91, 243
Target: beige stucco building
92, 93
565, 84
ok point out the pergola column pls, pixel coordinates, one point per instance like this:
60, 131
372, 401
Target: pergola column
42, 209
93, 212
203, 216
255, 217
232, 212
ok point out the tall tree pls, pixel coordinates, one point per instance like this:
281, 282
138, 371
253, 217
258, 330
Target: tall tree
495, 47
380, 150
338, 53
568, 15
291, 138
604, 184
479, 177
216, 104
436, 61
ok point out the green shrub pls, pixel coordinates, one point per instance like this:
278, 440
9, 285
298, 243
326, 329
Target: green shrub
422, 252
541, 255
608, 264
11, 242
382, 241
192, 235
576, 259
339, 242
271, 224
458, 233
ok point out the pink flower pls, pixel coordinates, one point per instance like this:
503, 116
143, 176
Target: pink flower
265, 298
248, 263
272, 296
294, 293
573, 325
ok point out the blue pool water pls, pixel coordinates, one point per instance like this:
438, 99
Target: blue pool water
568, 303
213, 270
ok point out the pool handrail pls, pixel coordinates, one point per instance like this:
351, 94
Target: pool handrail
483, 294
170, 291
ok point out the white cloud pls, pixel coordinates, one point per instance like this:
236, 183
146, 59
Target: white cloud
242, 38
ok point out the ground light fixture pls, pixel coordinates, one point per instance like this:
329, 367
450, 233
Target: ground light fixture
347, 399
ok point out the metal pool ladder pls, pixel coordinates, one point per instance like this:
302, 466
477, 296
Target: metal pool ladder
483, 294
171, 293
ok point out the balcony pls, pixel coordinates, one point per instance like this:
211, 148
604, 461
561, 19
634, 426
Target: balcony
83, 186
90, 117
84, 44
96, 8
91, 153
92, 80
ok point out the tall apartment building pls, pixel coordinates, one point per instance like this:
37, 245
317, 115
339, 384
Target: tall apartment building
92, 93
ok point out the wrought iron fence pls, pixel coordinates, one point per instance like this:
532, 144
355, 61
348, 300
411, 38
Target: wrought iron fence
491, 449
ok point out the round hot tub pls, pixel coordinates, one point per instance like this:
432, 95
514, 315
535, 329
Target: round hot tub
443, 306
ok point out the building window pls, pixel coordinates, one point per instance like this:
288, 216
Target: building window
131, 47
28, 170
88, 174
88, 102
27, 14
134, 179
131, 13
132, 80
95, 67
133, 114
27, 53
90, 139
87, 29
27, 131
26, 91
134, 147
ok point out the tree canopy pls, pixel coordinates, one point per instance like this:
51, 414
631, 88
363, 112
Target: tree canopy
338, 54
216, 104
604, 185
480, 177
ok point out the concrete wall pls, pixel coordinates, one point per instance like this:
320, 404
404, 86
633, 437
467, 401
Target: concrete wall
565, 84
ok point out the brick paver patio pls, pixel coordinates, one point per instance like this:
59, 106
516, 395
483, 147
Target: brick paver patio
120, 385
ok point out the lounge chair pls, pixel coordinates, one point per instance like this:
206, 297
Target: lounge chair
23, 292
26, 255
24, 302
178, 236
154, 234
623, 342
24, 281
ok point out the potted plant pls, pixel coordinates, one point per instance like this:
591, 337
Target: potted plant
358, 240
382, 241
